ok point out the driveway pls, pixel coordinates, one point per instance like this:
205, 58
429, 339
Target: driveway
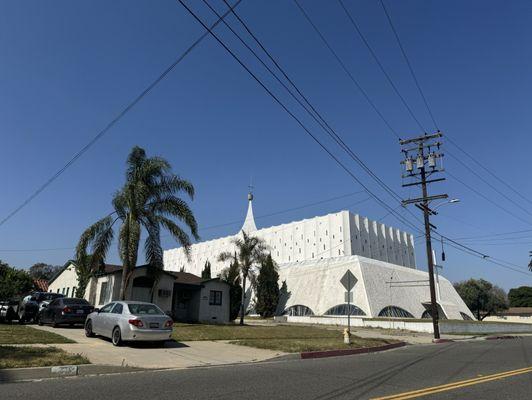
173, 355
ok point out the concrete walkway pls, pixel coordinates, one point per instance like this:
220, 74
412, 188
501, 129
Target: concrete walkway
173, 355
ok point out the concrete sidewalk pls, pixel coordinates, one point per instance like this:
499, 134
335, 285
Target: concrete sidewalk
173, 355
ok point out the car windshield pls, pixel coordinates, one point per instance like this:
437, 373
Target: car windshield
75, 301
143, 309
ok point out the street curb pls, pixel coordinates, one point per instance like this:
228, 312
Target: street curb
348, 352
499, 337
436, 341
10, 375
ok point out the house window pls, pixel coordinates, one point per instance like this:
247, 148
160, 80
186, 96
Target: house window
103, 292
73, 291
215, 298
67, 290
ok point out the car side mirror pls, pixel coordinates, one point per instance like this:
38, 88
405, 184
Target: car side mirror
45, 305
96, 310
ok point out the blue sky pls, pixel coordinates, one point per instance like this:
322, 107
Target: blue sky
69, 67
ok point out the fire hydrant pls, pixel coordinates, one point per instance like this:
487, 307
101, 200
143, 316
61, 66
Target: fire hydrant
347, 336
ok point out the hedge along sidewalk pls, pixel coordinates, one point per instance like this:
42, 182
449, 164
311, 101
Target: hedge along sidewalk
23, 334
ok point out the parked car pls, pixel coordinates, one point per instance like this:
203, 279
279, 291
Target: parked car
8, 310
28, 309
44, 298
65, 311
123, 321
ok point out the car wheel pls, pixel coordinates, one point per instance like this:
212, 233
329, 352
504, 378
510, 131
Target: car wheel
88, 329
54, 323
117, 337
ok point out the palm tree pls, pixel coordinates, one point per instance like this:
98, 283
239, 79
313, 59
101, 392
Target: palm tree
148, 200
250, 252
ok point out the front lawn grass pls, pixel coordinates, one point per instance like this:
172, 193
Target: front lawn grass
285, 338
23, 334
25, 356
191, 332
311, 344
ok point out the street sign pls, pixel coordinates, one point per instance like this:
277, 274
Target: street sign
348, 280
348, 297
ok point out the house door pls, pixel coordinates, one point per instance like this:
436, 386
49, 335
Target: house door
142, 289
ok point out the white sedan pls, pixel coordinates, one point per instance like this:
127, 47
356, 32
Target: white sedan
123, 321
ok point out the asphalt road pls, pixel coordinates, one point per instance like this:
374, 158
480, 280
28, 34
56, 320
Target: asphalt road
485, 369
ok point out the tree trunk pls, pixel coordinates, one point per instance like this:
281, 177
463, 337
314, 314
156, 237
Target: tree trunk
243, 305
126, 274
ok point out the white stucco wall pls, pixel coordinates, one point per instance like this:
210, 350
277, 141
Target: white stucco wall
510, 318
66, 282
317, 286
446, 327
329, 236
212, 314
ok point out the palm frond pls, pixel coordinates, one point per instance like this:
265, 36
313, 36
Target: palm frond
177, 233
98, 237
152, 245
172, 206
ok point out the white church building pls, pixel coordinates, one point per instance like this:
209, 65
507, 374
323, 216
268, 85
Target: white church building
313, 255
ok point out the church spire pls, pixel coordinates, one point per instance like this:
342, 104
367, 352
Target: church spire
249, 223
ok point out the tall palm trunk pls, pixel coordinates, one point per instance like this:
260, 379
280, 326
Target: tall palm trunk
243, 303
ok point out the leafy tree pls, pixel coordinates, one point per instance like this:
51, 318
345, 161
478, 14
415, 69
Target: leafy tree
482, 297
231, 275
14, 282
206, 273
148, 200
267, 288
250, 252
43, 271
85, 270
520, 297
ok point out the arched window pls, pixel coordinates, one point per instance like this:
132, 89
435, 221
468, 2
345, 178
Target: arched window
343, 309
298, 311
465, 317
395, 312
428, 315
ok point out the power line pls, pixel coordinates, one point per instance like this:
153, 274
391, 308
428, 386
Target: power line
113, 122
321, 121
383, 70
489, 184
344, 67
392, 26
294, 117
219, 225
469, 187
398, 216
409, 64
496, 234
490, 172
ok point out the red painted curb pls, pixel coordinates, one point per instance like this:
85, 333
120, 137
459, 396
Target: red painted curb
348, 352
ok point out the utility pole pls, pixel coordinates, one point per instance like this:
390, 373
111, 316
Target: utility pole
420, 170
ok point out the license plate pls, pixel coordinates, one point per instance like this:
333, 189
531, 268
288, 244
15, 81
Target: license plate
79, 311
154, 325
